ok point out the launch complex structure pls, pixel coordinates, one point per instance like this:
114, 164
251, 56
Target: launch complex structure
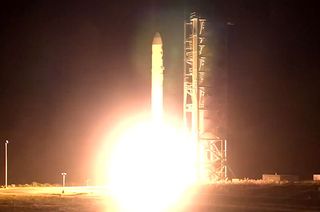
198, 116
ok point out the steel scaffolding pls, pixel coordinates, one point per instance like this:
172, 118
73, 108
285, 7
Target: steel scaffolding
197, 115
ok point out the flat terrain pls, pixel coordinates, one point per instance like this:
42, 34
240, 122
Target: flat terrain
52, 199
255, 197
219, 197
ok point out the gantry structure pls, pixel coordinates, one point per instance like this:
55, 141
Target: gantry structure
197, 114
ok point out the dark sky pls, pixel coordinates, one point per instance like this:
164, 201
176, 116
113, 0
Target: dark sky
70, 71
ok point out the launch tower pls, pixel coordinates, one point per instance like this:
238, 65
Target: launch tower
197, 114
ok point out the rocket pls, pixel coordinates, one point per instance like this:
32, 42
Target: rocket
157, 79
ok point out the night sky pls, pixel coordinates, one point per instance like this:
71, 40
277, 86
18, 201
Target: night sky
71, 71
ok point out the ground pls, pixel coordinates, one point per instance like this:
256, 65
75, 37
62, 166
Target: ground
258, 197
53, 199
219, 197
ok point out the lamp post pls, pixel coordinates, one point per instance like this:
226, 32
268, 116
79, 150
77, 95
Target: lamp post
6, 163
63, 179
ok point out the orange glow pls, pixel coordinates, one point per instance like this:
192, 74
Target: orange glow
151, 166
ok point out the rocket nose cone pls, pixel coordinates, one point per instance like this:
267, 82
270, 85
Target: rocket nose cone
157, 39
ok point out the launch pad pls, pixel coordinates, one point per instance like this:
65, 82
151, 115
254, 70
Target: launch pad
198, 116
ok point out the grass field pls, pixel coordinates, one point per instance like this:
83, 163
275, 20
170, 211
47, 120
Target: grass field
218, 197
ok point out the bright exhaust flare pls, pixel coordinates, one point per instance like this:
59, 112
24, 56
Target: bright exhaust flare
151, 166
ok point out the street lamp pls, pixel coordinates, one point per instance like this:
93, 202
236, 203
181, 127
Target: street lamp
6, 163
63, 179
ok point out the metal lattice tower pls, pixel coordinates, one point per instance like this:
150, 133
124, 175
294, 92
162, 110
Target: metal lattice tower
198, 118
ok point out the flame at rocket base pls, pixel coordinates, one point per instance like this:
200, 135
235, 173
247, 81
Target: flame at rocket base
157, 79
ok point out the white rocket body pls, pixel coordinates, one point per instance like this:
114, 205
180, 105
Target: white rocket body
157, 79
